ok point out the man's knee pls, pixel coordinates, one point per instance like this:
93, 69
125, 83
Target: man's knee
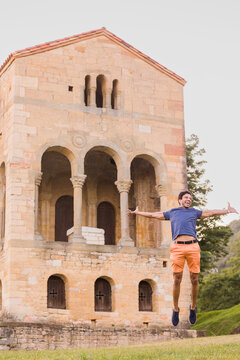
194, 278
177, 277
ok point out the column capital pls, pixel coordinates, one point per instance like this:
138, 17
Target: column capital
123, 185
161, 189
78, 180
38, 178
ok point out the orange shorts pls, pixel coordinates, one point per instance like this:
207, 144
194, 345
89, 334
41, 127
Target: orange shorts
188, 252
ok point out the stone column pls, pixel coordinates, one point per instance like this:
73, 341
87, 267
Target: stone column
108, 98
165, 234
38, 179
77, 181
123, 187
118, 100
93, 96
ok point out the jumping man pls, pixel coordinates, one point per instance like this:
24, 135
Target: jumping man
184, 246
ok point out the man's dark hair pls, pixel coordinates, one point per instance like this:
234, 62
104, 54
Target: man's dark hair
182, 193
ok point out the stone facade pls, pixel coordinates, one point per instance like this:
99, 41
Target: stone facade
89, 127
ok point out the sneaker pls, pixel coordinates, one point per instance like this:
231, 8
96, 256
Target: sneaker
175, 317
192, 315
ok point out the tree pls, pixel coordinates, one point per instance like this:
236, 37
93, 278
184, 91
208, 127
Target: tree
213, 237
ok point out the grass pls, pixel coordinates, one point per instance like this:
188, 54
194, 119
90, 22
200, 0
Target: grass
208, 348
219, 322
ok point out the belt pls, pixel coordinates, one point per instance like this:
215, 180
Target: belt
185, 242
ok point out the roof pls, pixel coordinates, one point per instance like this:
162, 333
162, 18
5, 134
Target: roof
84, 36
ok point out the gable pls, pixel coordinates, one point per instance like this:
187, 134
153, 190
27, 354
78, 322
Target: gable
83, 38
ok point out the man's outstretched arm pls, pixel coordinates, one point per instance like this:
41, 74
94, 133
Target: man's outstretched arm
156, 215
229, 210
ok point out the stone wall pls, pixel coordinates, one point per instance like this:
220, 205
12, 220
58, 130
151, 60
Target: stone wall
41, 336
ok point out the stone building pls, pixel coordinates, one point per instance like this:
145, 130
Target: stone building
89, 127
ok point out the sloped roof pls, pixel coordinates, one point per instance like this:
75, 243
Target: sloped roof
84, 36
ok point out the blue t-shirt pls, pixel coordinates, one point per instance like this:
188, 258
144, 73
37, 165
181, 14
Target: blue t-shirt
183, 221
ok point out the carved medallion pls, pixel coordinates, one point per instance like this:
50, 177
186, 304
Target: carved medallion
79, 140
127, 145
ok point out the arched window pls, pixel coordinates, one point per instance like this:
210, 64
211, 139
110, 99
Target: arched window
63, 217
103, 295
87, 90
106, 220
56, 293
0, 295
114, 94
145, 296
100, 91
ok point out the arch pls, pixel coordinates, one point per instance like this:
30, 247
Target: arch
156, 161
87, 90
106, 219
113, 151
101, 91
145, 296
63, 217
62, 149
102, 295
56, 297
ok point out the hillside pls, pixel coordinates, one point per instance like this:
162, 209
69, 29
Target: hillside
219, 322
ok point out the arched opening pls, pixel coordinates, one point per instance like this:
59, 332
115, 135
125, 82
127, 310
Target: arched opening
56, 293
55, 197
87, 90
114, 94
101, 200
103, 295
106, 220
2, 201
63, 217
144, 296
100, 91
0, 295
145, 231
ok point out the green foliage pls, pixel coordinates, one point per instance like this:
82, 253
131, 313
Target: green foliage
220, 291
213, 237
220, 322
234, 260
195, 171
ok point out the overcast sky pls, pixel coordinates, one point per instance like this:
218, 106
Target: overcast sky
199, 40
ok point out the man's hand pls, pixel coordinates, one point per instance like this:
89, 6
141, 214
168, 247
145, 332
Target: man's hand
231, 210
133, 211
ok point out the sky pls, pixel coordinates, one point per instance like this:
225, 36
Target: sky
198, 40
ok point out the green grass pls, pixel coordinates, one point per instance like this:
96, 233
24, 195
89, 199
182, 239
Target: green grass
208, 348
219, 322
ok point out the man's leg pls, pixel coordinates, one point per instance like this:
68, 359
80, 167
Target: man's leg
195, 286
177, 278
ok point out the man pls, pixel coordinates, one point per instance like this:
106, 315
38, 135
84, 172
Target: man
184, 246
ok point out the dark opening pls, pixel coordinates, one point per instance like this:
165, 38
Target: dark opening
145, 296
106, 221
56, 293
114, 94
87, 90
63, 217
164, 263
103, 295
70, 88
100, 91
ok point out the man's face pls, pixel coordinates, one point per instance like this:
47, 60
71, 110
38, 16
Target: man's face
186, 201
